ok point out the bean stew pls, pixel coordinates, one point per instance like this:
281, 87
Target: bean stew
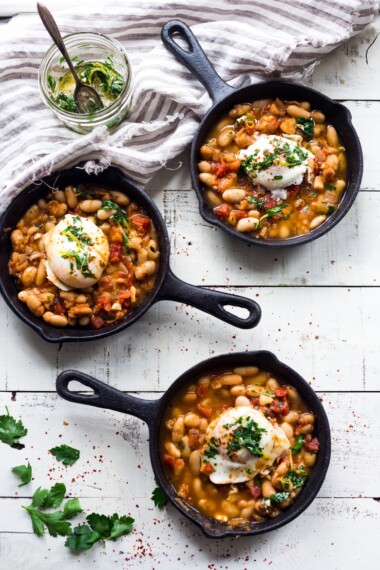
273, 169
85, 256
238, 445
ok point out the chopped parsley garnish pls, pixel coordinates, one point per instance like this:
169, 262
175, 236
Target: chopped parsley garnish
279, 497
82, 261
119, 217
282, 154
297, 477
246, 436
330, 187
211, 450
307, 127
331, 209
298, 445
76, 234
278, 177
256, 201
275, 210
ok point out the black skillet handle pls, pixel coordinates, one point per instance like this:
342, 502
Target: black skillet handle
105, 396
195, 59
211, 302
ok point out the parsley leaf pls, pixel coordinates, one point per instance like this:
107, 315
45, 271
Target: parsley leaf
45, 499
71, 508
11, 430
159, 498
54, 522
279, 497
82, 538
68, 455
307, 127
100, 527
24, 472
121, 526
298, 445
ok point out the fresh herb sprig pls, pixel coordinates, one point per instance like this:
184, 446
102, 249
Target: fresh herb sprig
159, 498
11, 430
24, 472
66, 454
99, 528
55, 522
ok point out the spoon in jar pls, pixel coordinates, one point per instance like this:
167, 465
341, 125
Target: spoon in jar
86, 98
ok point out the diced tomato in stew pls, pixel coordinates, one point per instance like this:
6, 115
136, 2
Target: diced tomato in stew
223, 211
116, 252
222, 170
141, 223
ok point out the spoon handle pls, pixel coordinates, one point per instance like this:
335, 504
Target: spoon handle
51, 26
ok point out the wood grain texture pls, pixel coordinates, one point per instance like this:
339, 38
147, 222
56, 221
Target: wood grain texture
329, 335
346, 73
114, 448
320, 538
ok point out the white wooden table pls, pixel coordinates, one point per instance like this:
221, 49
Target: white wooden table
321, 315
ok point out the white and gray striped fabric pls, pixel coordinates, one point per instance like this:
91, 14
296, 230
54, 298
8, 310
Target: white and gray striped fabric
244, 39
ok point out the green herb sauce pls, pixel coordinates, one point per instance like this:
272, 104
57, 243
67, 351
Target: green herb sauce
102, 76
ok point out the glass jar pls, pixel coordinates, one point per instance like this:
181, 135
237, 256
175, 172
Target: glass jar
87, 47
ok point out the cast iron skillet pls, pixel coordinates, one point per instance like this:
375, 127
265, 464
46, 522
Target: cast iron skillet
225, 97
168, 286
151, 412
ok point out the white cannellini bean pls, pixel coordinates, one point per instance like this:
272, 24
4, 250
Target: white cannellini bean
242, 401
315, 222
246, 225
295, 111
233, 195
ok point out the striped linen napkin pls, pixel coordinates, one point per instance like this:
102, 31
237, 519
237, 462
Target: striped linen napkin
244, 39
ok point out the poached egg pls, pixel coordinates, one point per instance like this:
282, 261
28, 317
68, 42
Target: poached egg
240, 443
276, 162
77, 253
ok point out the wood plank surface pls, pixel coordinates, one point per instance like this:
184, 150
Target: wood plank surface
115, 455
321, 309
333, 534
329, 335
